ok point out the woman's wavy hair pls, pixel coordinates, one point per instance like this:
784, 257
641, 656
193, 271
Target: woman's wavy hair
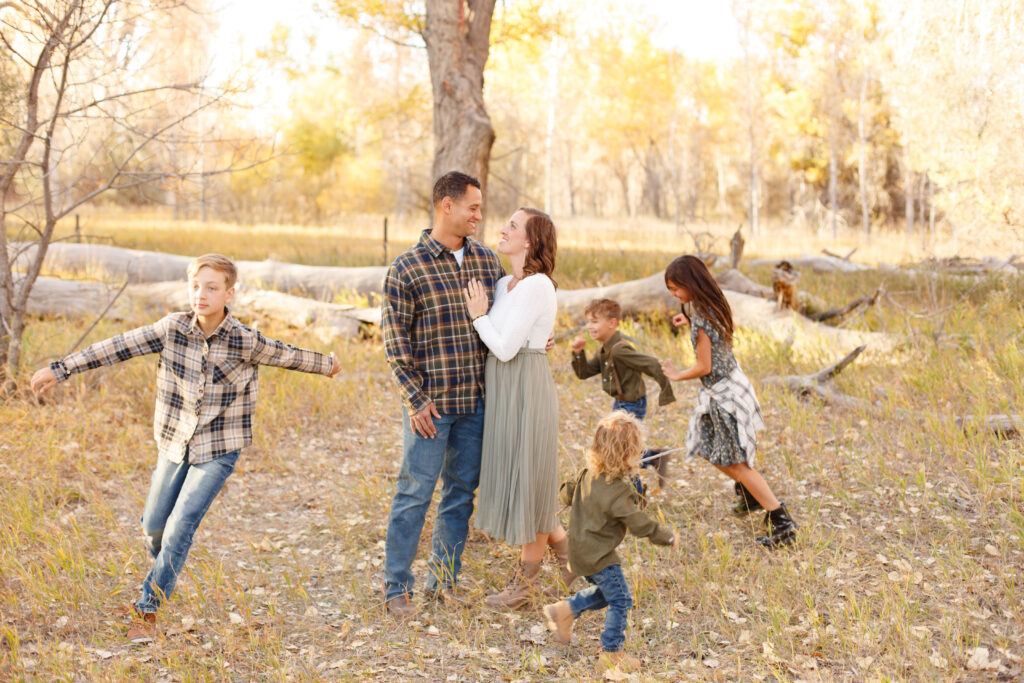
618, 445
690, 273
540, 233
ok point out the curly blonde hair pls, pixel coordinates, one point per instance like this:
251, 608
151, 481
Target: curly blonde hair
618, 446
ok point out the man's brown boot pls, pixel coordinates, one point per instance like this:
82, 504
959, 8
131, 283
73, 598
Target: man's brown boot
520, 587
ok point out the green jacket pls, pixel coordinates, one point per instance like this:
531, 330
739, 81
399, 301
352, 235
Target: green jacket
622, 368
601, 512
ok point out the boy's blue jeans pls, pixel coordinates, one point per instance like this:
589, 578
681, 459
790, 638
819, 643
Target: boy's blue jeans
609, 590
454, 456
179, 496
637, 408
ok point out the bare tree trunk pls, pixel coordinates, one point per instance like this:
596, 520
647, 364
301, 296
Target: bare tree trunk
908, 197
862, 160
457, 35
833, 189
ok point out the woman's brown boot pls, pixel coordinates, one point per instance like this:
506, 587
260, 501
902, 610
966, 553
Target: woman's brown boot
519, 588
561, 550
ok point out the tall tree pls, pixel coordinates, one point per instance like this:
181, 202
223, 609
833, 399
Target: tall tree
86, 86
457, 36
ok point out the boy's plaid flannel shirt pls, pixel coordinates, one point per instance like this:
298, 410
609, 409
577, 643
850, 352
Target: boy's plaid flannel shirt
205, 388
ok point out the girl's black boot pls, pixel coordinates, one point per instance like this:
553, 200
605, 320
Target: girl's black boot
747, 503
781, 528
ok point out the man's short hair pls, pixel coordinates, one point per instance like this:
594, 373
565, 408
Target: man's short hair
604, 308
453, 184
220, 263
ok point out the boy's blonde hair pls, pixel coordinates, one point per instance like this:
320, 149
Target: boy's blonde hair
604, 308
220, 263
618, 446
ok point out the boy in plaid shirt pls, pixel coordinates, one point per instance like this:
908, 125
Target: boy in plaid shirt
206, 396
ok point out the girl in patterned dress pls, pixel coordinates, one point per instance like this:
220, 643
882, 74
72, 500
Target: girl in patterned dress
727, 416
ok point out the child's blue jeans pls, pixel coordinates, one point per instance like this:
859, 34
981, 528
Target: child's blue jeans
637, 409
179, 496
609, 590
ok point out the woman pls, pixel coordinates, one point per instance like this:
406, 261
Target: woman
517, 501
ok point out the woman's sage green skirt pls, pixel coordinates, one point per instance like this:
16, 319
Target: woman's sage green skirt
518, 494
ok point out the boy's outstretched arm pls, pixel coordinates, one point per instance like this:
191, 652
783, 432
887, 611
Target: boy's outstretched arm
266, 351
138, 342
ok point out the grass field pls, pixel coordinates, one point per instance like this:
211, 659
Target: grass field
909, 565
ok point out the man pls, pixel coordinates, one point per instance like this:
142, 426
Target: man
438, 362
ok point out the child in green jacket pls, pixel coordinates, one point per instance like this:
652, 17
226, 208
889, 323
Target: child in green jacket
603, 507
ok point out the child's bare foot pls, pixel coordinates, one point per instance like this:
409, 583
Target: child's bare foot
617, 660
559, 620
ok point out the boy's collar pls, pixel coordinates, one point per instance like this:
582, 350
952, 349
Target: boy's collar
611, 340
224, 325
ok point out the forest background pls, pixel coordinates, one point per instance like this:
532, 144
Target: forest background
831, 116
892, 127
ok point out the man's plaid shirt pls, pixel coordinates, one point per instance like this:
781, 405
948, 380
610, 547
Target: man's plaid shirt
205, 388
429, 341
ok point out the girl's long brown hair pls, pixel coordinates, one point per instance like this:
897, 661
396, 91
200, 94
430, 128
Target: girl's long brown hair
690, 273
540, 233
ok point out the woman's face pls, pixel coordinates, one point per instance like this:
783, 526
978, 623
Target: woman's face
513, 235
679, 292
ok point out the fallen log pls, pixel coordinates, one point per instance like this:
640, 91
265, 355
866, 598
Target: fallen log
137, 267
821, 264
810, 306
72, 298
647, 295
821, 385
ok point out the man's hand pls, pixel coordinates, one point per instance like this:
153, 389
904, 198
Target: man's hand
578, 343
551, 342
423, 423
43, 380
336, 367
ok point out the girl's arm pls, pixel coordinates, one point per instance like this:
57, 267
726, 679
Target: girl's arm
699, 369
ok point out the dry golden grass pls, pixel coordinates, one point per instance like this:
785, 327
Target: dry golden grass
909, 562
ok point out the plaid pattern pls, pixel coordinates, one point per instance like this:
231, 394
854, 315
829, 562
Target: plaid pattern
205, 389
429, 341
735, 396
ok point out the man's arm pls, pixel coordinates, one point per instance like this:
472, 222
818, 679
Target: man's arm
397, 309
138, 342
627, 356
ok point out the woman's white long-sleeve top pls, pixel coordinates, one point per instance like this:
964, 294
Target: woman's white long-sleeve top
524, 316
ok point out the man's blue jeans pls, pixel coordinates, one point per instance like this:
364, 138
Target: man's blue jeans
454, 456
609, 590
179, 496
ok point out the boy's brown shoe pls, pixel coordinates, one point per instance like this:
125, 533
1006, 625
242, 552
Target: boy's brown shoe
401, 607
617, 660
142, 627
559, 620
